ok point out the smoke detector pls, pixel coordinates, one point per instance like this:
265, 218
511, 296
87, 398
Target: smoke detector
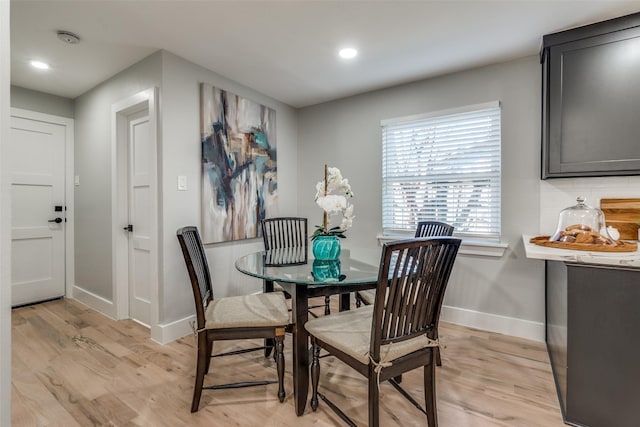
68, 37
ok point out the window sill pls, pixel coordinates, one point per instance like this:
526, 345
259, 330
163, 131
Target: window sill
468, 246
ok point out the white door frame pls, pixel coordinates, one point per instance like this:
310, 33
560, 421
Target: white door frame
147, 99
5, 219
69, 251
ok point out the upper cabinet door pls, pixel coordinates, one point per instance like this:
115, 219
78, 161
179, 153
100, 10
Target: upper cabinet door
591, 100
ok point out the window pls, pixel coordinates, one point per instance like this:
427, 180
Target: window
443, 166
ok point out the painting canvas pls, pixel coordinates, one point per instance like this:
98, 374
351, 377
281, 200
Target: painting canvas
239, 174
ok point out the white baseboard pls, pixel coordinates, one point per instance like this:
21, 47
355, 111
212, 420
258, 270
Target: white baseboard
95, 302
494, 323
164, 334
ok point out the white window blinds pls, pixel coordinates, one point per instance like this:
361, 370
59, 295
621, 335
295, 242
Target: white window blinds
444, 167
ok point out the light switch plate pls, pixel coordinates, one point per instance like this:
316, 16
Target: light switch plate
182, 183
76, 180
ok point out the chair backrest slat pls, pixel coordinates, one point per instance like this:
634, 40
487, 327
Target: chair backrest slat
412, 281
413, 298
198, 268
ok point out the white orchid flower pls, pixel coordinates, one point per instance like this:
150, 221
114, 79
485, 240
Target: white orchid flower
319, 189
347, 218
332, 203
346, 188
334, 179
348, 212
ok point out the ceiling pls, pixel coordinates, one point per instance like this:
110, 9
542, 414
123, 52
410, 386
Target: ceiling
287, 49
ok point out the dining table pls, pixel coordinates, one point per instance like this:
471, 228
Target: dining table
303, 277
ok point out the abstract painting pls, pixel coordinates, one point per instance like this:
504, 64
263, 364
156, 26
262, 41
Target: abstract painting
239, 181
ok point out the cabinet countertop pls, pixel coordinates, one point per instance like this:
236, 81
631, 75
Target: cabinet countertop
614, 259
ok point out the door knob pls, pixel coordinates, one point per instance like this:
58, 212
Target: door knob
57, 220
128, 228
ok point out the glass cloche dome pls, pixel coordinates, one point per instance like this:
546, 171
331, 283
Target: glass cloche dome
582, 224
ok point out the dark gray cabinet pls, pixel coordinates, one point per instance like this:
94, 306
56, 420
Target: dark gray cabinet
593, 340
591, 100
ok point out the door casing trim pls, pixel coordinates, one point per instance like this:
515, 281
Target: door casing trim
147, 99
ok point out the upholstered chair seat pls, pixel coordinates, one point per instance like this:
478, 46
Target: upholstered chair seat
355, 340
247, 311
367, 297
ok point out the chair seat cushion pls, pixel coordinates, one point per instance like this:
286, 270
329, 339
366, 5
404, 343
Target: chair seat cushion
278, 288
368, 296
350, 332
265, 309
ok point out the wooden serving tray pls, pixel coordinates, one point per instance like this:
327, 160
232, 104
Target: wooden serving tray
621, 246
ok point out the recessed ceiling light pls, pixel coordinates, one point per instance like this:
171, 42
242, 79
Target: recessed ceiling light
39, 64
348, 53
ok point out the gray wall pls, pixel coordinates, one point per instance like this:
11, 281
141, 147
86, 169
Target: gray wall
41, 102
181, 155
93, 166
346, 133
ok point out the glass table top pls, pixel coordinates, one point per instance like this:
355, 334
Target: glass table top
293, 265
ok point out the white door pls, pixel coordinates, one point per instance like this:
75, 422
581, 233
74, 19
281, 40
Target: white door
139, 198
37, 169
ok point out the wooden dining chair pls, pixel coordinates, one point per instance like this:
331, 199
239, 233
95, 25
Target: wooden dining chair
424, 229
288, 232
398, 332
231, 318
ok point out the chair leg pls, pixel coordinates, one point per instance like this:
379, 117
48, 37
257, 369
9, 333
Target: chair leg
430, 392
327, 302
437, 353
201, 365
315, 373
268, 346
279, 353
209, 352
267, 286
374, 398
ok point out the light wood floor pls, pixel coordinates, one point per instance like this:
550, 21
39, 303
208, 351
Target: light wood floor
73, 366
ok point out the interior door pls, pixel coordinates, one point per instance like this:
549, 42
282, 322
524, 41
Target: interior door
36, 167
139, 198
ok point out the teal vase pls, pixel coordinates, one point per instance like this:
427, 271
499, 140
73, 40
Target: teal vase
326, 271
326, 248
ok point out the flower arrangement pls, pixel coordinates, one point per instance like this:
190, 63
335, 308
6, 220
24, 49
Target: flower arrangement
333, 203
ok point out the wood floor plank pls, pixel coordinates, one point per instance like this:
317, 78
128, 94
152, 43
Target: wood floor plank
75, 367
33, 405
